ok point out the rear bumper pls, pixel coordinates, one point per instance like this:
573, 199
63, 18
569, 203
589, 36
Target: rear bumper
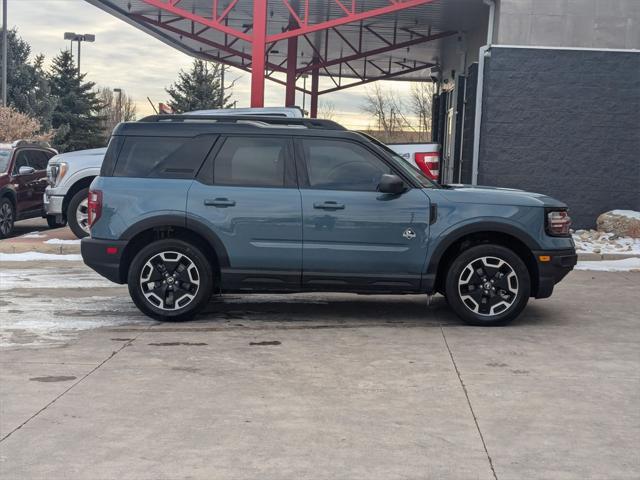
95, 255
554, 270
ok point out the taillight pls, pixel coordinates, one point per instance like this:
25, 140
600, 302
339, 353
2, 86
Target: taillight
558, 223
429, 163
94, 206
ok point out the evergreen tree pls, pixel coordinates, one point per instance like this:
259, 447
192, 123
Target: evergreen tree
75, 117
27, 84
199, 89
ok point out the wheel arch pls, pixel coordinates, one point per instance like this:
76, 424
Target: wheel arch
506, 235
173, 226
11, 195
81, 184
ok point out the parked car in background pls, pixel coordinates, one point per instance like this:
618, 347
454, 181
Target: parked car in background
70, 174
23, 180
425, 156
272, 204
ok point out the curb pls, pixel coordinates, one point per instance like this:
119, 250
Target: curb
39, 248
605, 256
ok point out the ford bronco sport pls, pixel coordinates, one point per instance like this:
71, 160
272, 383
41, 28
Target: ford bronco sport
185, 206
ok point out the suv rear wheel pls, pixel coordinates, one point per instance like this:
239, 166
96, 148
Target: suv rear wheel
170, 280
7, 217
488, 285
78, 213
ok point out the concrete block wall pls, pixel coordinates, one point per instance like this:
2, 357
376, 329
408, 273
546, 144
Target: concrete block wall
565, 123
569, 23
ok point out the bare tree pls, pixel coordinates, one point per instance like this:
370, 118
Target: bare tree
387, 109
327, 110
18, 126
421, 105
115, 109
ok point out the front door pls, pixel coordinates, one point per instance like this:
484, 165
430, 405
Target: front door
355, 238
249, 198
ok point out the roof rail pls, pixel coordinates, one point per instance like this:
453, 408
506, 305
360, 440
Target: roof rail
255, 120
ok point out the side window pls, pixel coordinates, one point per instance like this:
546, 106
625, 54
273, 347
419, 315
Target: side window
251, 162
22, 160
162, 157
341, 165
38, 159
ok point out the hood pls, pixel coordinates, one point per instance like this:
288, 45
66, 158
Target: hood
93, 156
498, 196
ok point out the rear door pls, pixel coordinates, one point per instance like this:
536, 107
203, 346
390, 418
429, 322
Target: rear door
38, 160
354, 237
247, 195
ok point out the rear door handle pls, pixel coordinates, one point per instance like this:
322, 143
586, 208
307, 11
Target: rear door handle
330, 205
219, 202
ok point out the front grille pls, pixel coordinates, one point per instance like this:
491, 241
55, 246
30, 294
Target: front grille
52, 174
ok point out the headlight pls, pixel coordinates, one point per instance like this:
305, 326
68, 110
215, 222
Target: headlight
56, 172
557, 223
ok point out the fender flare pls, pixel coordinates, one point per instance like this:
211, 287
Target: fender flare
448, 238
179, 220
9, 192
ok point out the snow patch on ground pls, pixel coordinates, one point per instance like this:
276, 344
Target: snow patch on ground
625, 265
35, 256
33, 235
627, 213
593, 241
58, 241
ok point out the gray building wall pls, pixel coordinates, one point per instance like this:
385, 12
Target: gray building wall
565, 123
569, 23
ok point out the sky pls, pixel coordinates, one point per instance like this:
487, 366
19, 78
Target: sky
125, 57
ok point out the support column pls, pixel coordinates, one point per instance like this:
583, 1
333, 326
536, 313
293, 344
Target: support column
258, 50
292, 57
315, 74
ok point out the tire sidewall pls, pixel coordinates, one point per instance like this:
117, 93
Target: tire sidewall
488, 250
204, 270
71, 213
13, 221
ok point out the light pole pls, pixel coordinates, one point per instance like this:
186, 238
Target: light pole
75, 37
119, 92
4, 53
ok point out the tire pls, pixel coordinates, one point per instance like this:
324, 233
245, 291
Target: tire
7, 217
53, 223
155, 299
77, 213
488, 285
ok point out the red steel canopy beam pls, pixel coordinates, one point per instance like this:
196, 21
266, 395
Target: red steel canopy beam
374, 79
258, 50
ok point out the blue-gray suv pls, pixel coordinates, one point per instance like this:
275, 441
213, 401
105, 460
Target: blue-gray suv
185, 206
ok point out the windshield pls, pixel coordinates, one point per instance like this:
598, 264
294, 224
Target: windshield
5, 158
407, 168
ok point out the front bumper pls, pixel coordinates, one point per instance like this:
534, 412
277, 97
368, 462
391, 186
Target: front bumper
550, 272
104, 256
53, 203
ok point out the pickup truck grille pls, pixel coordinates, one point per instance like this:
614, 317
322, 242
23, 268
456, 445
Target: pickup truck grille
52, 174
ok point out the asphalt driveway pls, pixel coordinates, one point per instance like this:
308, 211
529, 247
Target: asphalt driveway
315, 386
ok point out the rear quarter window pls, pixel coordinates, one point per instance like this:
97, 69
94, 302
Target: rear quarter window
162, 157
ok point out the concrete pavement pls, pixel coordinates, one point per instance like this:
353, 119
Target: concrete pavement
316, 386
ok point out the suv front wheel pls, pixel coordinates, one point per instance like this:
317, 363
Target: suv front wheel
170, 280
488, 285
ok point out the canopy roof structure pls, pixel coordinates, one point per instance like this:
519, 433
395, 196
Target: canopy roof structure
352, 42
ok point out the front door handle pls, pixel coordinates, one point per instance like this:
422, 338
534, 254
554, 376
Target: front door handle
219, 202
330, 205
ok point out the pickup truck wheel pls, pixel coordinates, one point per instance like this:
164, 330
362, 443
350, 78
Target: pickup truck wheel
77, 213
170, 280
488, 285
7, 217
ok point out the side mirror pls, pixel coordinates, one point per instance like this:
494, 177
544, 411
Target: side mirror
391, 184
24, 170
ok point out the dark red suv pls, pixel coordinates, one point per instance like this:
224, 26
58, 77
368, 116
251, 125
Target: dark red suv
23, 179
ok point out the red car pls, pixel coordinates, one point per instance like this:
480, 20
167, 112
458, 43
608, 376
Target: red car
23, 179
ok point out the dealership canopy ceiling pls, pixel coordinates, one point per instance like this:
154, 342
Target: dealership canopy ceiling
352, 42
